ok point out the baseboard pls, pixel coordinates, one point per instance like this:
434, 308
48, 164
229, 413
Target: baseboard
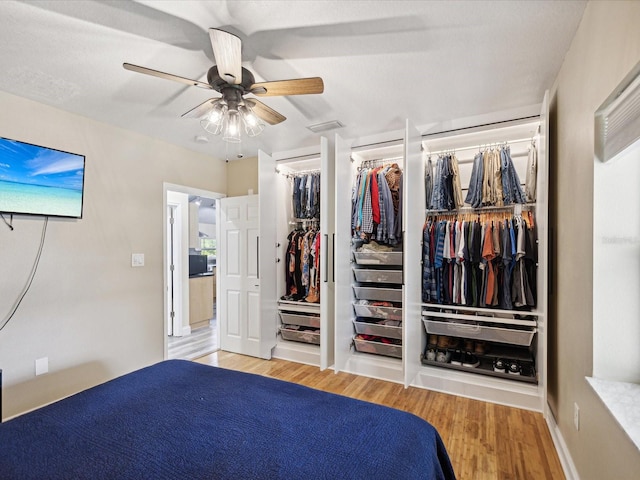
566, 461
186, 330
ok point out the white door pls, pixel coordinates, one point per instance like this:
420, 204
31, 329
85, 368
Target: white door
327, 229
171, 266
176, 262
345, 172
237, 275
413, 218
268, 253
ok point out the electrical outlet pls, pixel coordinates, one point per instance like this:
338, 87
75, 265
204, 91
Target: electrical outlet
42, 365
137, 259
576, 416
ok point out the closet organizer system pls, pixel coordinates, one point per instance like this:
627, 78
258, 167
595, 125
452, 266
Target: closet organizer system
304, 296
480, 252
473, 332
468, 319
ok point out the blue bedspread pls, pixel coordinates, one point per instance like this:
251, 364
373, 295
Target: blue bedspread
181, 420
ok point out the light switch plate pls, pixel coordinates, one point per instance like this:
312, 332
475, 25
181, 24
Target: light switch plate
137, 259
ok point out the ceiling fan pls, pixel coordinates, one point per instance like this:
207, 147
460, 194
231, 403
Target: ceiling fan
226, 114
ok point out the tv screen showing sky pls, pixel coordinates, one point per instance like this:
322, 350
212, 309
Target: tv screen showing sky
37, 180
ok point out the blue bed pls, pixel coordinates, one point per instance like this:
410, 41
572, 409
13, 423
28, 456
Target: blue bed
181, 420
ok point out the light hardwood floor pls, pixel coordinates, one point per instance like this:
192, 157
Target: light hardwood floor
484, 440
200, 342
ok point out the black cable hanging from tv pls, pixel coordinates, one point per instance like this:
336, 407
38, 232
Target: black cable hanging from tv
27, 286
10, 223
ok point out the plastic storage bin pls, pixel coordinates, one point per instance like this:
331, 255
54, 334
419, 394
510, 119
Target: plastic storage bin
514, 336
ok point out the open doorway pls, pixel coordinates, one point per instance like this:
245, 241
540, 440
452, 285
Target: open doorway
190, 253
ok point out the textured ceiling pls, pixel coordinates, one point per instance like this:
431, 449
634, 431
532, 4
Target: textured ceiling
381, 61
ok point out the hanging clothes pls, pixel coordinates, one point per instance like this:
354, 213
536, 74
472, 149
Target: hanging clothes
305, 201
489, 261
532, 173
302, 266
447, 192
428, 181
376, 204
511, 188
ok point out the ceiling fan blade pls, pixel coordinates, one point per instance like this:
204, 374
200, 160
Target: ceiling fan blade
267, 114
201, 109
300, 86
166, 76
227, 49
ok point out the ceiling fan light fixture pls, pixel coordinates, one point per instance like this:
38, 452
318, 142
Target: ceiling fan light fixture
213, 121
252, 124
232, 127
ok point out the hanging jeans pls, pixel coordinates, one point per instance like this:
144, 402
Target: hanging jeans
474, 194
511, 188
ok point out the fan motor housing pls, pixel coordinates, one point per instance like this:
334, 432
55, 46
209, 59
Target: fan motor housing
218, 83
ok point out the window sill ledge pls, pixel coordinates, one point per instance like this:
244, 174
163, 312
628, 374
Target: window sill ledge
623, 401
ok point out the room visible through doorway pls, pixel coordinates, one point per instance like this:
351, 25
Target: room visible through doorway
190, 272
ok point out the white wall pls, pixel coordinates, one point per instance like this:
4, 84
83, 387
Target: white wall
604, 50
91, 313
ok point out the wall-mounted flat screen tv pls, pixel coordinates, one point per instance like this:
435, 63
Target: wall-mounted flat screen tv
37, 180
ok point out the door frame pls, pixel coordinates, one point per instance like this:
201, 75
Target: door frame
183, 259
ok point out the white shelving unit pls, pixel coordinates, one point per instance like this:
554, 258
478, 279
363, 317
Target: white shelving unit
297, 343
344, 279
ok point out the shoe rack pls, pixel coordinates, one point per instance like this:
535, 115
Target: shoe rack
502, 347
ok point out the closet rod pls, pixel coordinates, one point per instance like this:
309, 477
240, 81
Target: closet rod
479, 147
297, 221
379, 161
505, 208
299, 173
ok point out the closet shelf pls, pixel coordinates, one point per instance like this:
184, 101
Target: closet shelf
431, 308
378, 258
381, 294
377, 348
486, 368
304, 336
377, 329
289, 318
377, 311
378, 276
293, 306
480, 332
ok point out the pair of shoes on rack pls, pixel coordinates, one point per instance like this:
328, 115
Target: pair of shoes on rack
435, 355
478, 347
445, 342
511, 367
464, 358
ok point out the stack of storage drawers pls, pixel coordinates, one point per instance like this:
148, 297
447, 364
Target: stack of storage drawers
300, 321
377, 288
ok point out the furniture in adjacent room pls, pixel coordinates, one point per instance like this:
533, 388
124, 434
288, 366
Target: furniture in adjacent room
201, 299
